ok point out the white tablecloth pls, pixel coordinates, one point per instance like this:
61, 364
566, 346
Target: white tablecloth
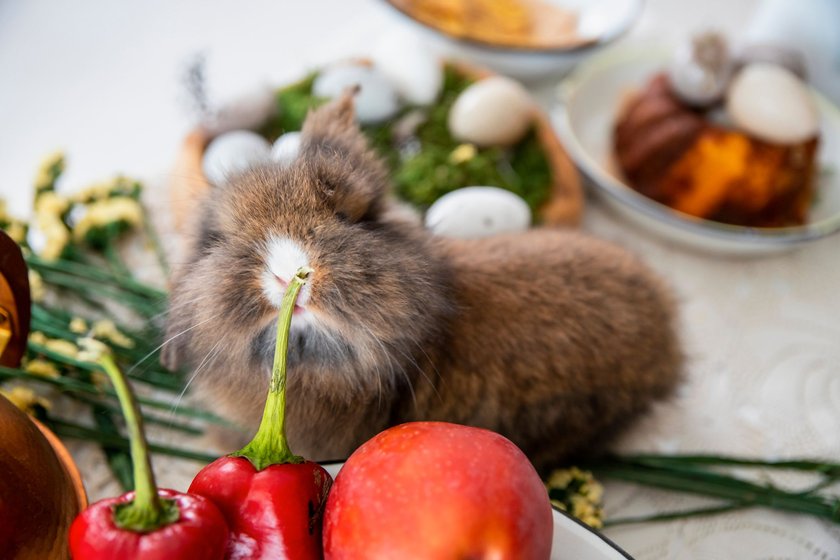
104, 80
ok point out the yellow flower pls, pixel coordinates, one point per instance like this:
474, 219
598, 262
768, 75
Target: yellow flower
78, 325
92, 349
57, 345
37, 337
51, 168
578, 493
115, 187
25, 398
106, 330
42, 368
63, 347
15, 228
559, 479
463, 153
36, 286
17, 231
48, 236
102, 213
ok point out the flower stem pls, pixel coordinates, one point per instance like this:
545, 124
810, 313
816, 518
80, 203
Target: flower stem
675, 515
76, 385
270, 446
66, 429
154, 240
146, 512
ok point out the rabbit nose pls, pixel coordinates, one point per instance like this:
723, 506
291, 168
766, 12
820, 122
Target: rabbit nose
303, 296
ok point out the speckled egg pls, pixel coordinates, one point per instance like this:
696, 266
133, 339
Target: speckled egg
410, 65
772, 104
377, 99
701, 69
286, 148
474, 212
232, 152
495, 111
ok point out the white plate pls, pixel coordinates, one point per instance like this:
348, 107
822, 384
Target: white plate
572, 539
584, 118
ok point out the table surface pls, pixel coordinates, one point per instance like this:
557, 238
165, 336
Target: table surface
105, 81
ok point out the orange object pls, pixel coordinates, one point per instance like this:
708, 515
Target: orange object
677, 156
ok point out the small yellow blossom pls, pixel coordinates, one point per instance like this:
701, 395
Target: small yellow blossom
103, 213
49, 171
463, 153
57, 345
63, 347
560, 478
42, 368
25, 398
36, 286
37, 337
92, 349
78, 325
105, 329
118, 186
48, 235
577, 492
16, 229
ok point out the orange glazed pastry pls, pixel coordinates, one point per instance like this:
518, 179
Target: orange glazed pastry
675, 154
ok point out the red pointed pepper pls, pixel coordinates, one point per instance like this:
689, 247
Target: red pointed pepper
147, 524
272, 499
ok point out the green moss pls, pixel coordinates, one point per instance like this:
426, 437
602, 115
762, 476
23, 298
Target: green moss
430, 173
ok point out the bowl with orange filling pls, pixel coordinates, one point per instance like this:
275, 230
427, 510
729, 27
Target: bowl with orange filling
707, 146
525, 39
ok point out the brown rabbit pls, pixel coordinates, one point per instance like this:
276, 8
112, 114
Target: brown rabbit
549, 337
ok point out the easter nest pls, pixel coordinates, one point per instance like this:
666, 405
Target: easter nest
536, 168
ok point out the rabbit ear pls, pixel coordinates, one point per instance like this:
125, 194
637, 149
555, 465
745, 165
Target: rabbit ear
338, 117
336, 152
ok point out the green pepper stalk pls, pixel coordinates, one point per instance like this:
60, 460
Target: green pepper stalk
147, 511
270, 497
270, 446
149, 522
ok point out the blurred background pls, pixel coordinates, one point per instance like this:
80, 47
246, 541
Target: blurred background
106, 80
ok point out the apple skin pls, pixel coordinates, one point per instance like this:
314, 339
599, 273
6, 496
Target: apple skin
434, 490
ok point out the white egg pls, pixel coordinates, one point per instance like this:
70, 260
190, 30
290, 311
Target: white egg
474, 212
410, 65
232, 152
377, 99
495, 111
771, 103
286, 148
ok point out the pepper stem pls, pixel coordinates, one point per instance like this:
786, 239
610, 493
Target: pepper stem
147, 511
270, 446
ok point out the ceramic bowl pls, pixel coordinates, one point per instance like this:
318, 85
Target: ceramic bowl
584, 118
601, 22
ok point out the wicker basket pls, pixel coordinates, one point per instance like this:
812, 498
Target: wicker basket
563, 208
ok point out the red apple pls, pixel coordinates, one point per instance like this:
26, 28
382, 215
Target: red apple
432, 490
